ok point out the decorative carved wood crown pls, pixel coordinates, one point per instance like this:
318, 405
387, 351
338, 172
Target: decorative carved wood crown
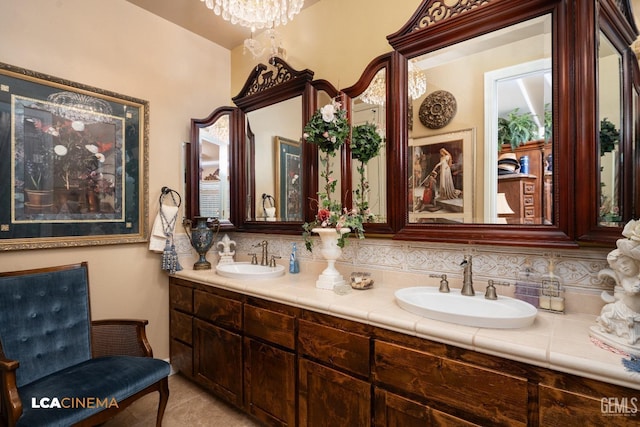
278, 74
439, 10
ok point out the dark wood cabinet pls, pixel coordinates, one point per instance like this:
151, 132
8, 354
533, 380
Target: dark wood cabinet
270, 383
288, 366
270, 363
218, 360
181, 328
394, 411
454, 385
330, 398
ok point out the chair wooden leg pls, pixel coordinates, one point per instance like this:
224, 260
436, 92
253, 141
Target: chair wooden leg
164, 398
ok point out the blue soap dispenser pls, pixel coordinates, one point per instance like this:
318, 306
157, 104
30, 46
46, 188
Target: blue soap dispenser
294, 267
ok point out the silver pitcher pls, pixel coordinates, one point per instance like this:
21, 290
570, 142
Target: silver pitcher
202, 237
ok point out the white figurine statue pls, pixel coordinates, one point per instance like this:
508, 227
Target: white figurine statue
619, 322
226, 254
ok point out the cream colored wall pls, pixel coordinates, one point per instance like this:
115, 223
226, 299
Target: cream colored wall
335, 38
117, 46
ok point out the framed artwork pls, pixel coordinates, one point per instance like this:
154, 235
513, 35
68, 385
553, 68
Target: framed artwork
288, 179
440, 184
75, 158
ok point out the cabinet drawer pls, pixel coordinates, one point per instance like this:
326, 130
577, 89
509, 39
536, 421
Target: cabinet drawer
217, 309
527, 200
181, 298
529, 212
181, 357
277, 328
335, 347
181, 326
452, 384
529, 188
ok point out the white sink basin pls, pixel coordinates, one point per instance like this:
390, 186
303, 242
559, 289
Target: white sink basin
452, 307
246, 270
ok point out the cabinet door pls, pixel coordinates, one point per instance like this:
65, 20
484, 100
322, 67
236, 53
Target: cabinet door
218, 361
395, 411
329, 398
562, 408
459, 388
270, 382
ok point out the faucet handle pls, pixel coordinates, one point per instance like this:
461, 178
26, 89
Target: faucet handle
444, 283
254, 259
491, 293
272, 263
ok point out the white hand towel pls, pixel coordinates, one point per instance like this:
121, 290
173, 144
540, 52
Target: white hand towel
157, 240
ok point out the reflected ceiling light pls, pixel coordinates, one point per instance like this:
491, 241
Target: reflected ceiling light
417, 81
256, 14
219, 131
376, 93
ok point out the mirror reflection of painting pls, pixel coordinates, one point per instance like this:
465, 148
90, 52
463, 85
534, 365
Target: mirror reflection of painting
437, 174
294, 208
439, 188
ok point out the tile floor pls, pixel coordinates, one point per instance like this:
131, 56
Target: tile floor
189, 405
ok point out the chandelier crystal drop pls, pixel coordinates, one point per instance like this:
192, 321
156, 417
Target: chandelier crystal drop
417, 81
256, 14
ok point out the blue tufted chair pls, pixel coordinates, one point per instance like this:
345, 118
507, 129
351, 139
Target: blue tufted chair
57, 367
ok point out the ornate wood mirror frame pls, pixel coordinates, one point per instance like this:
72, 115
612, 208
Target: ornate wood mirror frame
194, 164
381, 64
436, 25
266, 86
614, 20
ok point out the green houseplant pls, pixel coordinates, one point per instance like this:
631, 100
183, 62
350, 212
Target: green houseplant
366, 143
517, 128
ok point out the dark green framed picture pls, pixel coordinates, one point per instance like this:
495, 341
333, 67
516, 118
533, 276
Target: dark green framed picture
75, 160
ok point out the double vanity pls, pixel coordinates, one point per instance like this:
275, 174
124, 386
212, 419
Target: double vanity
291, 354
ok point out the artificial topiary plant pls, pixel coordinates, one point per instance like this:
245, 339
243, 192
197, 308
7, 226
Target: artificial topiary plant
609, 136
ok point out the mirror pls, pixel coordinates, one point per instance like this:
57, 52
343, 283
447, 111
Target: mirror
277, 161
610, 132
274, 104
484, 91
369, 179
209, 166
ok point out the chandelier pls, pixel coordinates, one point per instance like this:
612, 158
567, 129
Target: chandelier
376, 93
417, 81
256, 14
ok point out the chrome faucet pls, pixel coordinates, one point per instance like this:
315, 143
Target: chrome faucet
467, 283
265, 253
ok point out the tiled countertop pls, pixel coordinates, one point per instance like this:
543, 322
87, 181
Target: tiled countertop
556, 341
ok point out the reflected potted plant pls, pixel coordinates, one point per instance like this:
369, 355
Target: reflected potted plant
609, 136
516, 129
366, 143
